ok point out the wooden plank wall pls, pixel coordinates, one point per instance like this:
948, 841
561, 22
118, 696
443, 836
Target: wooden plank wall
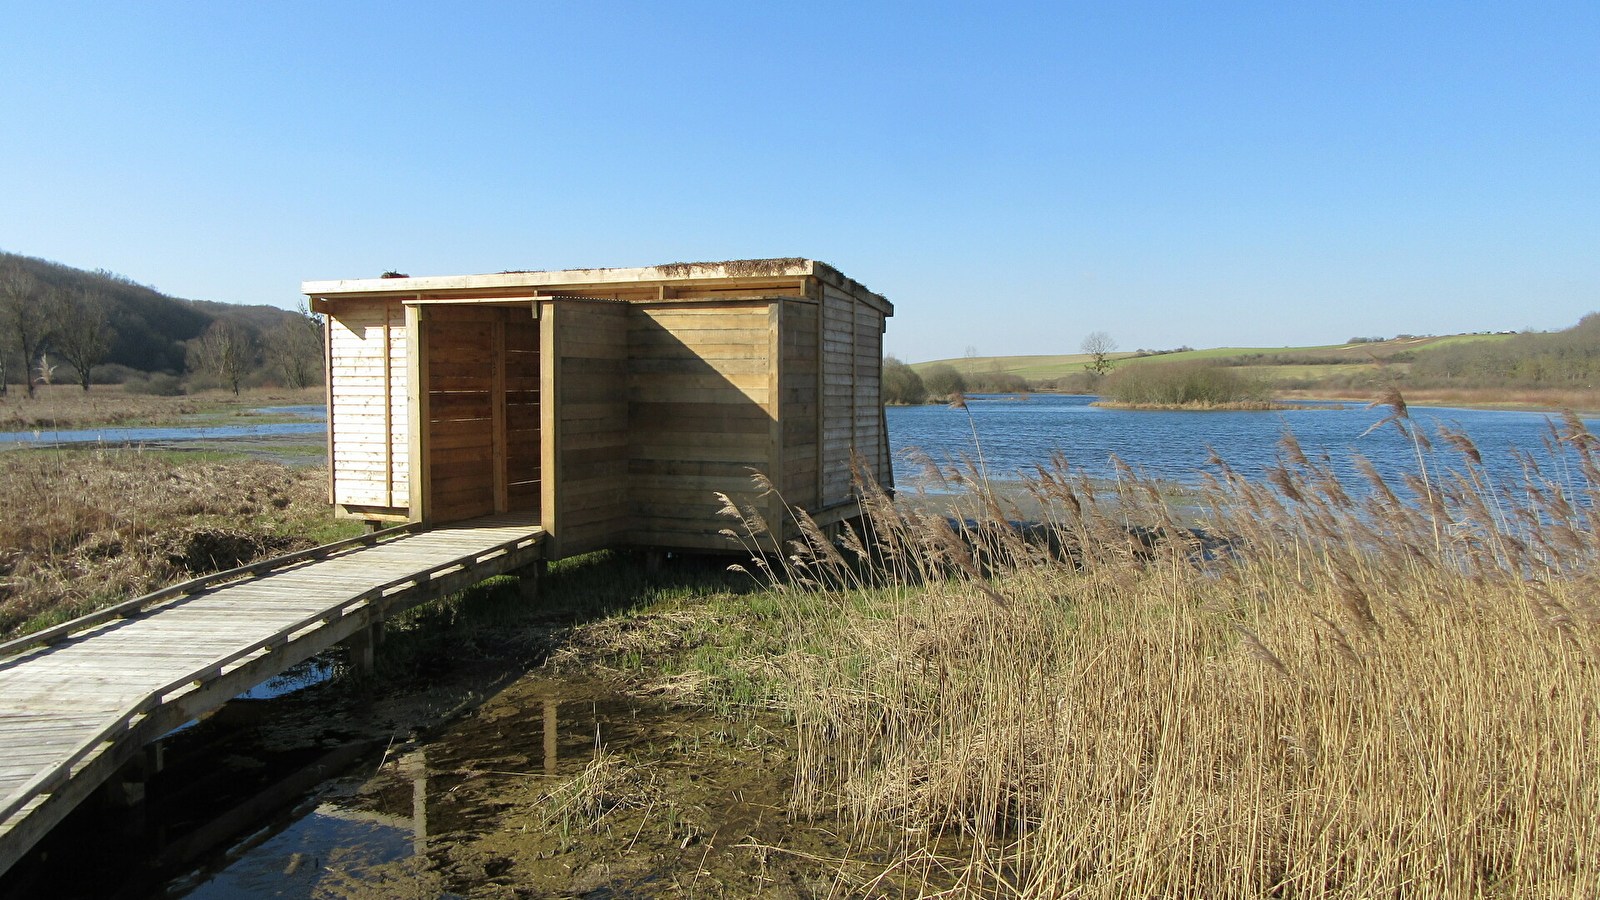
591, 424
852, 409
799, 391
368, 418
700, 416
838, 393
870, 440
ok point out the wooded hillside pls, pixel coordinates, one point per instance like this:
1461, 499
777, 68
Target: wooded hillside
53, 316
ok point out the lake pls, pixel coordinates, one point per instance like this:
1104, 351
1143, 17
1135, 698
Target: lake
1016, 434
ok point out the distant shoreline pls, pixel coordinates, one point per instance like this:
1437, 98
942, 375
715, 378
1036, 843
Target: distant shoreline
1227, 406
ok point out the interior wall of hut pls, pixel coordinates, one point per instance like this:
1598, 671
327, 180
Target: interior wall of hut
483, 422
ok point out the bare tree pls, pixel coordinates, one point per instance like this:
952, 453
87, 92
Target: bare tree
82, 329
223, 352
295, 349
1099, 346
23, 319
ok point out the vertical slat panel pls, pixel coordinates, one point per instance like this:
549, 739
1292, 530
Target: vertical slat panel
418, 411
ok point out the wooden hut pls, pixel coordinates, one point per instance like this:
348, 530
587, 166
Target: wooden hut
610, 403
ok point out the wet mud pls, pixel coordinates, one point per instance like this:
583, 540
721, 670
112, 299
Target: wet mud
562, 788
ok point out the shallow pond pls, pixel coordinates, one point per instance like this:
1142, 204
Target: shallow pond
552, 788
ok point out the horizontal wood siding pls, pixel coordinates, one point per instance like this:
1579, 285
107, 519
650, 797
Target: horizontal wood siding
800, 369
368, 436
592, 425
700, 418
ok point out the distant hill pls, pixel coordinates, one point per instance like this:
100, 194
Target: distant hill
151, 327
1399, 349
1549, 359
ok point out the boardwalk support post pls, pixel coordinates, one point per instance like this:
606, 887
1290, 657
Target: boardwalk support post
363, 645
125, 788
528, 578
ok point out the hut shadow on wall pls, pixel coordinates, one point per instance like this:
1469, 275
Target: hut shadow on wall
701, 420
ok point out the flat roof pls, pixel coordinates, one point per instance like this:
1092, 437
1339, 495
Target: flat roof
729, 270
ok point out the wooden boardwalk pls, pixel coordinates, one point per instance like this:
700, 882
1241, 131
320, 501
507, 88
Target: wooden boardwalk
78, 701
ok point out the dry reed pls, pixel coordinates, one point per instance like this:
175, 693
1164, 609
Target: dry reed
81, 529
1329, 689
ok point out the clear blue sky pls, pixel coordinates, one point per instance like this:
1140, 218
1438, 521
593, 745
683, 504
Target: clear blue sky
1012, 175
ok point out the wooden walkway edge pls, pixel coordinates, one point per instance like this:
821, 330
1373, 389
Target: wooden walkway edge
79, 700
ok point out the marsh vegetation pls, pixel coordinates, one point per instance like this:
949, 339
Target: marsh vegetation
81, 529
1335, 689
1303, 684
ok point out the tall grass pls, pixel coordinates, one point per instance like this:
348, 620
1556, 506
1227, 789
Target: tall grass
1331, 688
80, 529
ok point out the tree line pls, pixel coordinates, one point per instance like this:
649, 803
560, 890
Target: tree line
1569, 358
58, 323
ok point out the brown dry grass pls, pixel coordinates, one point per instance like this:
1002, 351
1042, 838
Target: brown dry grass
83, 529
1335, 690
1494, 398
66, 407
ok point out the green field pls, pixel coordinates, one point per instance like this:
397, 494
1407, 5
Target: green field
1313, 363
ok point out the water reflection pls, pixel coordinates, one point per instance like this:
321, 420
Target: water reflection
365, 833
335, 849
313, 671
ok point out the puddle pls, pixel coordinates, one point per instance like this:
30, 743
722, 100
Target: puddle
313, 671
323, 852
548, 789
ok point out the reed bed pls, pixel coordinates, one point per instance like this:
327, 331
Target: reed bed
1544, 399
80, 529
1312, 688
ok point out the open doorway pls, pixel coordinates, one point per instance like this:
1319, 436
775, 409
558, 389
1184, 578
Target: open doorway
482, 440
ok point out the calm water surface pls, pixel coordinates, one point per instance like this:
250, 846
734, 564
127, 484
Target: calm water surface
1017, 434
316, 423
